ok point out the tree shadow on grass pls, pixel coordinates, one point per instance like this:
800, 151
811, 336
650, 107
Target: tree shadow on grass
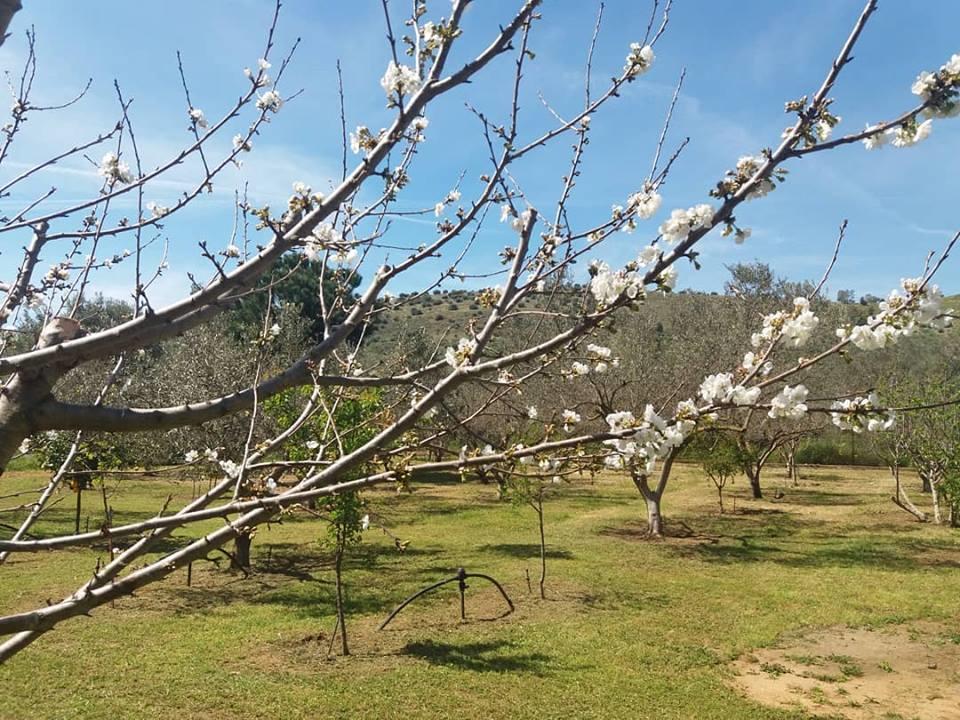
525, 551
820, 549
819, 498
300, 578
490, 656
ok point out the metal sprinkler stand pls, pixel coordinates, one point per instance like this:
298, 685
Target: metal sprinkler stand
461, 579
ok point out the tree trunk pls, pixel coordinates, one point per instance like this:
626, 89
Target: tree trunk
900, 498
652, 498
793, 474
241, 552
341, 615
753, 475
935, 498
654, 515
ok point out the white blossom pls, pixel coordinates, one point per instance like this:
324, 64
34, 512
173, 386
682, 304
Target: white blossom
639, 60
230, 468
861, 413
900, 315
648, 256
823, 129
924, 85
877, 140
114, 170
668, 277
608, 286
399, 78
362, 139
719, 388
599, 351
270, 100
907, 135
569, 418
345, 255
461, 355
678, 226
241, 143
789, 403
795, 326
645, 203
191, 456
157, 210
196, 115
652, 438
323, 237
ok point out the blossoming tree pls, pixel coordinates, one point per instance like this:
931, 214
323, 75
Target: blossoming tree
349, 225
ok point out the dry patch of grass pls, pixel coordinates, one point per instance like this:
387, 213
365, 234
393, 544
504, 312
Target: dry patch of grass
908, 671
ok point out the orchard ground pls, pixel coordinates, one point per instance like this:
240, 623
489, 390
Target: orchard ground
810, 603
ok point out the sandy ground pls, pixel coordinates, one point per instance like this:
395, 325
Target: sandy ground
904, 671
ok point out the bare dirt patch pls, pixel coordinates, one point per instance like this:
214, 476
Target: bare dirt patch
906, 671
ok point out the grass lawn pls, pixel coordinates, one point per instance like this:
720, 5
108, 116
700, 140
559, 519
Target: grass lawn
631, 628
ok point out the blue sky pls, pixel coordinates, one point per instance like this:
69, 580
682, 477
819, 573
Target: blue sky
743, 60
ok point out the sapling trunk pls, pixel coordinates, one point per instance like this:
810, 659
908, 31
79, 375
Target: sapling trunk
341, 615
543, 545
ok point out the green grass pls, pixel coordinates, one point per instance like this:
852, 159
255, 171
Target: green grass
631, 628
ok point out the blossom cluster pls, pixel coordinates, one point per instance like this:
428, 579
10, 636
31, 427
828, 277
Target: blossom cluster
910, 132
400, 79
270, 100
156, 210
609, 285
197, 117
639, 60
653, 437
645, 203
451, 197
861, 413
789, 403
681, 223
747, 167
795, 326
569, 418
114, 170
720, 388
362, 139
603, 357
460, 356
941, 89
816, 121
900, 315
751, 362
